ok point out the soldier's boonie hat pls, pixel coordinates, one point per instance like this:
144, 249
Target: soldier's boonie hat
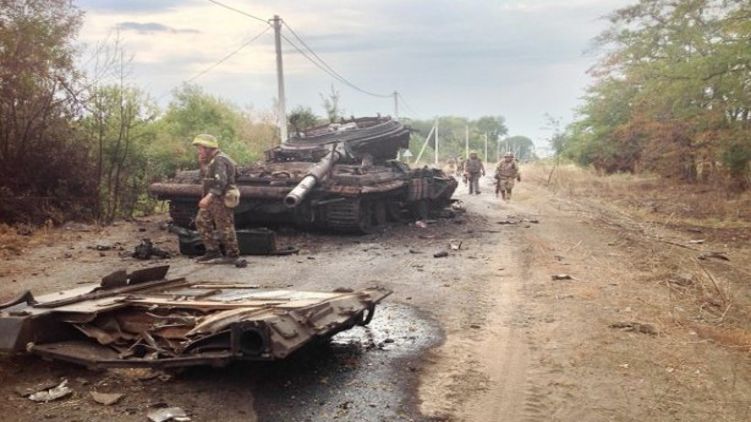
205, 140
508, 154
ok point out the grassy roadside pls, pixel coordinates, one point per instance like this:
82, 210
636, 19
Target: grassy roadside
669, 227
725, 216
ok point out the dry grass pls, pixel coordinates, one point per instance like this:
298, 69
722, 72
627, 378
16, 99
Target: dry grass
651, 197
15, 239
715, 298
11, 243
736, 338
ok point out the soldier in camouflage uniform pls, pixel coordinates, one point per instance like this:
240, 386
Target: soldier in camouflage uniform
459, 165
473, 168
506, 172
218, 172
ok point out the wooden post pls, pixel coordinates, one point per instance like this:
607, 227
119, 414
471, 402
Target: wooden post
436, 143
466, 142
486, 148
427, 139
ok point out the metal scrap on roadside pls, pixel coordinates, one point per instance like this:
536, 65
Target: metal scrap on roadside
143, 319
54, 393
106, 399
165, 414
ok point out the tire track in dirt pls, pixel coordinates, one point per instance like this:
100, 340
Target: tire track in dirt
480, 373
503, 352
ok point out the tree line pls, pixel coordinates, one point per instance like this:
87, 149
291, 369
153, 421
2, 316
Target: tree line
87, 145
672, 94
458, 134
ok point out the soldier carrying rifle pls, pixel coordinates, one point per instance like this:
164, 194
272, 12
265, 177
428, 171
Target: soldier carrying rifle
506, 172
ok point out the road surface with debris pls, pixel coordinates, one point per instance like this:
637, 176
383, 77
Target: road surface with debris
545, 308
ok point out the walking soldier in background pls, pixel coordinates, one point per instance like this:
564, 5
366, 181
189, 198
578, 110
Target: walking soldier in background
473, 168
220, 196
459, 165
505, 172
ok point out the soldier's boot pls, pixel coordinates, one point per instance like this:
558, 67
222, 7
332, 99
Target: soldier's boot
503, 195
508, 195
224, 260
232, 258
209, 256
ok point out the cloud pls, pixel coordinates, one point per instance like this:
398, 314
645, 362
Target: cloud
149, 27
517, 58
136, 6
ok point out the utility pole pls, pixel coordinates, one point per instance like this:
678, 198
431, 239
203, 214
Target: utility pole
466, 142
436, 143
497, 148
486, 148
427, 140
396, 117
396, 105
280, 78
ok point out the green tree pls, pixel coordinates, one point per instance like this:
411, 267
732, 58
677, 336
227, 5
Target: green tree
121, 121
300, 119
193, 111
39, 88
494, 126
452, 134
331, 105
522, 147
671, 92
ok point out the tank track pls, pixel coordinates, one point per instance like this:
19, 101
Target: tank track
348, 216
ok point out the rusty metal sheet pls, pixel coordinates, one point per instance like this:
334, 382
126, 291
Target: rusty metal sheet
179, 322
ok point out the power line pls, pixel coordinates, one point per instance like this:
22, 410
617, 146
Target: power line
406, 105
238, 11
222, 60
330, 73
316, 59
304, 54
321, 64
228, 56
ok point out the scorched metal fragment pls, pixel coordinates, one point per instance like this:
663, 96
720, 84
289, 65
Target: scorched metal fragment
143, 319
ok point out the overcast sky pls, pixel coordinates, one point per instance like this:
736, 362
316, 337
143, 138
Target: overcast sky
517, 58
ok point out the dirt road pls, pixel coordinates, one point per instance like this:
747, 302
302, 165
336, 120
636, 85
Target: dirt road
484, 334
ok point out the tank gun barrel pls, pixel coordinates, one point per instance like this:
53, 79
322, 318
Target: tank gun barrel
314, 176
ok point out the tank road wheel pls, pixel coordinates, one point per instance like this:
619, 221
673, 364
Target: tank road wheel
380, 215
420, 209
395, 211
351, 215
365, 218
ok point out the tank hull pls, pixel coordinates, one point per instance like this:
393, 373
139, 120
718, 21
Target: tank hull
346, 181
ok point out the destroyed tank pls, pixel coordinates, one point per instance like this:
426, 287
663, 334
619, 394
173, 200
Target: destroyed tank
343, 177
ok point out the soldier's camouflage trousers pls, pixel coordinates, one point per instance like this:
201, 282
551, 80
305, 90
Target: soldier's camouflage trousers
505, 185
218, 218
474, 183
